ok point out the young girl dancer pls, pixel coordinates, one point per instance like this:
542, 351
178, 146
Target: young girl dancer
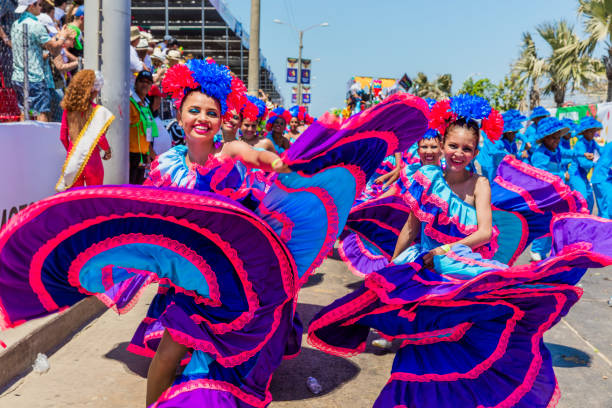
585, 149
471, 332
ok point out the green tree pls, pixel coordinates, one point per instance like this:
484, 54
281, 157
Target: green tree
530, 68
568, 64
509, 93
438, 89
597, 16
482, 87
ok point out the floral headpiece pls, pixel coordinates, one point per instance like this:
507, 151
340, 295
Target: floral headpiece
467, 107
298, 112
282, 112
255, 109
548, 126
209, 78
513, 120
236, 100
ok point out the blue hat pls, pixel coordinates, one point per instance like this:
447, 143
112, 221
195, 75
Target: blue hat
587, 123
80, 11
548, 126
570, 124
513, 120
539, 112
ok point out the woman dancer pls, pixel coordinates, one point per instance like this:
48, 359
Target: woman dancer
231, 273
275, 141
253, 115
83, 132
471, 328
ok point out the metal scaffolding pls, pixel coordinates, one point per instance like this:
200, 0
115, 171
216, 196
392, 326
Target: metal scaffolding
221, 37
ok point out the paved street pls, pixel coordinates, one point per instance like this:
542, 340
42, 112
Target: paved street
94, 370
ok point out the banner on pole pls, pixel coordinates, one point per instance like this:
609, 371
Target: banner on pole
292, 70
306, 70
306, 95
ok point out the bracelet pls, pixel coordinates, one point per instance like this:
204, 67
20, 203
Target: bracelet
275, 161
446, 248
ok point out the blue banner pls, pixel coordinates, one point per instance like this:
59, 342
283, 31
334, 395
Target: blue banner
306, 98
305, 76
292, 75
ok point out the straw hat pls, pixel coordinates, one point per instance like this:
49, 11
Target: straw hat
134, 33
142, 45
173, 55
158, 54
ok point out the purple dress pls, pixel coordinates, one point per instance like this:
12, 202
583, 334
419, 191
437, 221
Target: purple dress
471, 328
232, 269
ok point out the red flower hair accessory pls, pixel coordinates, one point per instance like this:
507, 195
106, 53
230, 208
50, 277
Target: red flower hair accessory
441, 116
178, 78
493, 125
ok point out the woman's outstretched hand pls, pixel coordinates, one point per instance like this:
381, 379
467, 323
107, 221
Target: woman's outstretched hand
428, 257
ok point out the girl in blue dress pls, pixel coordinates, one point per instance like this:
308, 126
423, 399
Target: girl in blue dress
469, 328
585, 149
547, 156
275, 140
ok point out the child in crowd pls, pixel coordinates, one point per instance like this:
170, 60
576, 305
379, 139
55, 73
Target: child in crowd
585, 150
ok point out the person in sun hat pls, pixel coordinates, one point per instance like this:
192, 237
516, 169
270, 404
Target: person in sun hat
528, 139
585, 149
136, 64
547, 156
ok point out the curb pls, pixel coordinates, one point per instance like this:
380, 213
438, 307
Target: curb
17, 359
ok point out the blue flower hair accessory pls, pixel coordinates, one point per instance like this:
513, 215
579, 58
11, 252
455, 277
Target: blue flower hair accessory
548, 126
431, 102
468, 108
212, 79
586, 123
539, 112
261, 106
431, 134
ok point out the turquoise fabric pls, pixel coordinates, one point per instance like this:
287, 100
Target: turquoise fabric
147, 257
544, 159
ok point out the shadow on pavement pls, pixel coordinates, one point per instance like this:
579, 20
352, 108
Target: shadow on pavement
354, 285
313, 280
568, 357
289, 381
334, 254
139, 365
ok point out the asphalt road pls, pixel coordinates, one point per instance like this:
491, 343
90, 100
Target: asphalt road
94, 370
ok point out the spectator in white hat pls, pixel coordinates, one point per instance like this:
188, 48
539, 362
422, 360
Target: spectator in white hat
136, 64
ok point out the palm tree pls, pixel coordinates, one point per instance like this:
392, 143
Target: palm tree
530, 68
568, 64
438, 89
598, 24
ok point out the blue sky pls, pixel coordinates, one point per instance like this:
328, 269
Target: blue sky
386, 38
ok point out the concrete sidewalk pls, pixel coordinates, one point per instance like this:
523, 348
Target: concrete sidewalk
94, 370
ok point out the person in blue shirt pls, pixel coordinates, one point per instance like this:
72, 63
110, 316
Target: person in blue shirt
568, 154
602, 182
492, 153
584, 150
528, 139
547, 156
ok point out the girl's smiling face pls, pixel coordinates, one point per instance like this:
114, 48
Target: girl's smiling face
459, 148
200, 117
429, 151
233, 123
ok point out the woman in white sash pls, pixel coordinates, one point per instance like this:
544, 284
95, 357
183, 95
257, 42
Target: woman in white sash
83, 132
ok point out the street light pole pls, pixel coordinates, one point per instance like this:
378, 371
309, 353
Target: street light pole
301, 37
299, 74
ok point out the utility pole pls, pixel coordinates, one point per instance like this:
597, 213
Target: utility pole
109, 52
299, 74
253, 83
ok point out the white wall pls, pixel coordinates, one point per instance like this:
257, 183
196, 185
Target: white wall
31, 159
